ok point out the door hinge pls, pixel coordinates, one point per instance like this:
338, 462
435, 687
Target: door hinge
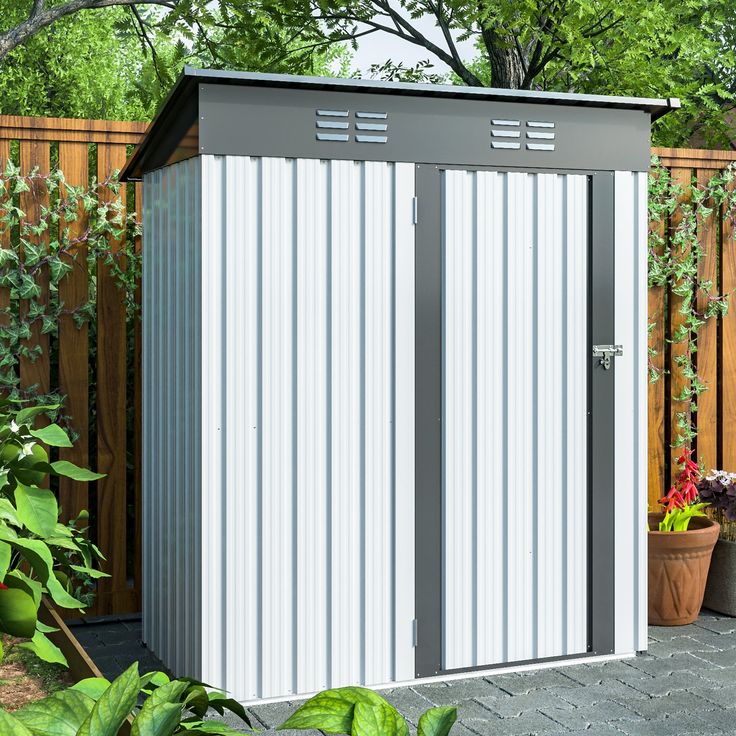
605, 353
415, 633
414, 210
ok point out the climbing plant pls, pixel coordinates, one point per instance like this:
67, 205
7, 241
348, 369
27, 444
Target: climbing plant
675, 255
75, 225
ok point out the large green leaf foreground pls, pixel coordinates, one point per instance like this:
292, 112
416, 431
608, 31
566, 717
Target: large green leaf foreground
97, 707
38, 555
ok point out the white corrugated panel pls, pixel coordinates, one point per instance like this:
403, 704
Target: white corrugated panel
171, 436
515, 435
308, 403
631, 411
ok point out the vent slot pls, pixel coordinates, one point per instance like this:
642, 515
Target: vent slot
371, 138
333, 124
539, 124
542, 136
504, 144
333, 113
371, 115
515, 123
541, 146
335, 137
506, 133
371, 126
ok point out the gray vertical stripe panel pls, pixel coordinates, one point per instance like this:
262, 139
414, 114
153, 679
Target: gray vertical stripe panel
170, 422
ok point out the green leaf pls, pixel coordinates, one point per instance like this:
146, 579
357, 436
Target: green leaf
331, 711
25, 415
8, 512
437, 721
42, 627
4, 559
61, 714
37, 509
39, 557
52, 435
157, 720
17, 613
221, 702
10, 725
171, 692
377, 719
96, 574
114, 705
18, 579
211, 727
70, 470
44, 649
92, 687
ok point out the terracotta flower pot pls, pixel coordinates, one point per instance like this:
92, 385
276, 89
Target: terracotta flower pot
678, 570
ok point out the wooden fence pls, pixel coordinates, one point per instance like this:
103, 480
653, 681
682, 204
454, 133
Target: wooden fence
715, 358
32, 142
115, 500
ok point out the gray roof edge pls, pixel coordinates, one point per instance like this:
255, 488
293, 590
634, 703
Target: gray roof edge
191, 76
646, 104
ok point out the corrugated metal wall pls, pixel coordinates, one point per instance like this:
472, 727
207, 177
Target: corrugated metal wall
631, 411
515, 432
171, 415
307, 424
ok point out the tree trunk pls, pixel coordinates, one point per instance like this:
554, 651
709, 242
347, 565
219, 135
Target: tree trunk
507, 70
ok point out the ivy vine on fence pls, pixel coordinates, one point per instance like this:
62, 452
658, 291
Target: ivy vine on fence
76, 227
674, 263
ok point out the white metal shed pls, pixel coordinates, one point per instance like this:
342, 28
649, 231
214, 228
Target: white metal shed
388, 434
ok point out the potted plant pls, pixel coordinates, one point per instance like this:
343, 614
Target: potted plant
719, 490
681, 541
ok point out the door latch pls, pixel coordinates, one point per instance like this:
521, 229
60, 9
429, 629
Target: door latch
606, 352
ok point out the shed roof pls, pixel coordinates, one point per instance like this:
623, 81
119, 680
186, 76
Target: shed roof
178, 114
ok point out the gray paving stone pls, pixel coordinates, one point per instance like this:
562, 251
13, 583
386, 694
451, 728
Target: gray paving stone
680, 725
601, 729
473, 710
718, 641
408, 702
528, 724
678, 645
592, 674
720, 676
717, 719
272, 715
525, 682
517, 705
725, 697
682, 662
719, 626
653, 708
666, 684
587, 695
720, 659
456, 690
667, 633
591, 716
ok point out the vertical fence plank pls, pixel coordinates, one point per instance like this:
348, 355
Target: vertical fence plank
113, 592
4, 236
728, 347
679, 383
73, 340
706, 417
36, 154
656, 389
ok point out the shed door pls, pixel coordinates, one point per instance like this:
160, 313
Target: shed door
514, 407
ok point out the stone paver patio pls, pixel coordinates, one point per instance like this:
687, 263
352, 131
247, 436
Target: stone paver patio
684, 686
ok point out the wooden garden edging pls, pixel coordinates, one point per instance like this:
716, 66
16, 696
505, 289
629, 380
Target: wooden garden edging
115, 501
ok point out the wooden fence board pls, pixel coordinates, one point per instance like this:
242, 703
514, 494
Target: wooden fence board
4, 236
114, 595
138, 413
678, 380
728, 349
36, 372
706, 416
656, 389
73, 340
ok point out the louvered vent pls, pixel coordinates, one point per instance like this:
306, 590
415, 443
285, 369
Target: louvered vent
539, 134
369, 126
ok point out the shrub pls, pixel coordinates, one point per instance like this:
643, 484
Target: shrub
38, 555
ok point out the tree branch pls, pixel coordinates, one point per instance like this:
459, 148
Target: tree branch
41, 18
